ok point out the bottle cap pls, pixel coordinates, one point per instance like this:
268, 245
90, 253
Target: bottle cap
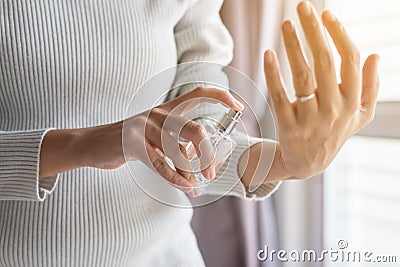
229, 121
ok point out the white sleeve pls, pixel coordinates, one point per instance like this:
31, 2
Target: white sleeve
19, 166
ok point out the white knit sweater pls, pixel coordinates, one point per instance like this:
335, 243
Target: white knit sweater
77, 63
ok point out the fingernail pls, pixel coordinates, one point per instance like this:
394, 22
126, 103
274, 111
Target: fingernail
192, 193
239, 105
208, 174
212, 173
197, 192
329, 16
288, 26
269, 58
305, 8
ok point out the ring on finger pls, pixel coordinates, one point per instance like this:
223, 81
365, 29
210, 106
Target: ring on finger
305, 98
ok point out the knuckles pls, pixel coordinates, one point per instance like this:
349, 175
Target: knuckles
353, 56
332, 114
142, 120
159, 165
272, 73
157, 111
199, 91
303, 78
314, 25
325, 59
196, 129
277, 97
182, 150
342, 29
212, 94
173, 178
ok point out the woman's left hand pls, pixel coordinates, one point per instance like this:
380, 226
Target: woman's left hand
312, 131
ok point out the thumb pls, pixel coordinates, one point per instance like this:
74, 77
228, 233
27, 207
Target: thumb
370, 83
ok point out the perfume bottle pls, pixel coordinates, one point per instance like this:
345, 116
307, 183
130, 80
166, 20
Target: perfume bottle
219, 135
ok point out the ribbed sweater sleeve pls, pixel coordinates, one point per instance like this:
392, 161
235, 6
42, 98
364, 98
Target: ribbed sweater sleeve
206, 43
19, 166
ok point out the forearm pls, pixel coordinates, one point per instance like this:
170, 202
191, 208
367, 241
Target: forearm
262, 163
98, 147
62, 150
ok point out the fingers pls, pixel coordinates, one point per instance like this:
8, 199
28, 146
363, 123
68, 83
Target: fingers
282, 106
195, 132
177, 153
302, 76
188, 129
194, 98
169, 147
370, 85
323, 60
186, 172
350, 66
160, 166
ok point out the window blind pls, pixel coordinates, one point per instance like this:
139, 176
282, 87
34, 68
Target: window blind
361, 187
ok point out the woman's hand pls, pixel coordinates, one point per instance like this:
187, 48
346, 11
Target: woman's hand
147, 137
312, 132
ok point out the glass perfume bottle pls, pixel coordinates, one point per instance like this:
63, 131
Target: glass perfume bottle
219, 135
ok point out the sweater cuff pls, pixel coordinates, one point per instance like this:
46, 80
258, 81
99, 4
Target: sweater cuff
19, 167
228, 182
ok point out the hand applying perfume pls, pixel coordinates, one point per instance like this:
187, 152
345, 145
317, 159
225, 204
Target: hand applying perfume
219, 134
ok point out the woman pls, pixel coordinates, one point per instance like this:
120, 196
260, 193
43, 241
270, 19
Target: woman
68, 69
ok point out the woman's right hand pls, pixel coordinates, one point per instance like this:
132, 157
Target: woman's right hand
147, 137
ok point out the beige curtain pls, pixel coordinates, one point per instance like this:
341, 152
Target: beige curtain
231, 231
254, 26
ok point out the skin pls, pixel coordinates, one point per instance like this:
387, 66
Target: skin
310, 133
147, 137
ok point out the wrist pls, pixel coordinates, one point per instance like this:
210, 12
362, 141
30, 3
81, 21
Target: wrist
61, 151
101, 146
278, 171
262, 163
